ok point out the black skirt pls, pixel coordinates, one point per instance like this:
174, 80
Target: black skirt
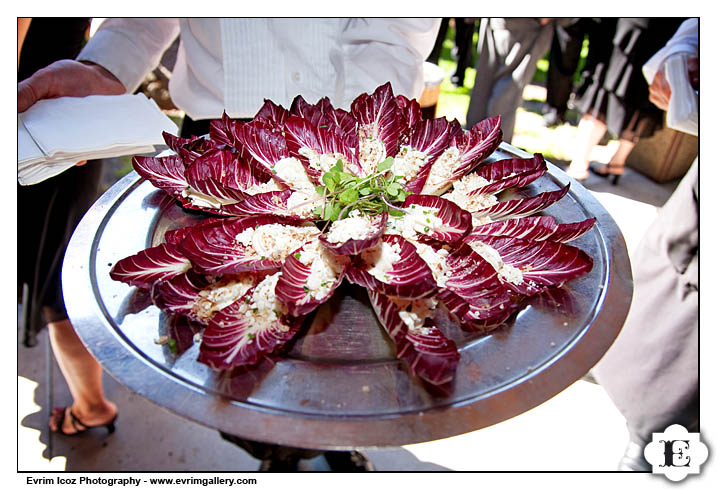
614, 89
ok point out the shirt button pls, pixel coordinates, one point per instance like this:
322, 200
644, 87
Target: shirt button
296, 77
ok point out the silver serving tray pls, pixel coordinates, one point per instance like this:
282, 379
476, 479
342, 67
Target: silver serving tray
338, 385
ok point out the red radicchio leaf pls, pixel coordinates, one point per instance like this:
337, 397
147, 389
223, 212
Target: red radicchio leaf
220, 131
542, 263
510, 173
409, 277
187, 148
263, 143
456, 222
353, 247
180, 294
379, 118
235, 338
213, 248
166, 173
534, 228
474, 281
294, 289
429, 354
175, 236
271, 203
301, 135
430, 136
463, 154
157, 263
340, 121
273, 113
309, 112
518, 208
410, 110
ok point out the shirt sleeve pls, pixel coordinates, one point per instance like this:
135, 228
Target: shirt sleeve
685, 40
380, 50
130, 47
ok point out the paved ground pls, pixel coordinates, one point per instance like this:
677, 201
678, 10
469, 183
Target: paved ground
577, 430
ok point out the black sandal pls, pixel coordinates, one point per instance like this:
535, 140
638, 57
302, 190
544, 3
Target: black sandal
611, 171
75, 421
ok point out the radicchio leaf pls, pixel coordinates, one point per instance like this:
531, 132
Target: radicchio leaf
274, 113
455, 222
429, 354
237, 337
275, 203
340, 121
166, 173
380, 126
430, 137
157, 263
262, 142
524, 207
407, 277
213, 248
534, 228
463, 154
309, 143
297, 289
410, 110
179, 295
510, 173
353, 247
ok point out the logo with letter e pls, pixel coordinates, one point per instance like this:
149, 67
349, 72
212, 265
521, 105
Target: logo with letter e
676, 453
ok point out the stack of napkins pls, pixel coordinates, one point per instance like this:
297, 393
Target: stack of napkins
55, 134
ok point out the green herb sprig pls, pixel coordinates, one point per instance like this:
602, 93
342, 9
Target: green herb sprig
343, 192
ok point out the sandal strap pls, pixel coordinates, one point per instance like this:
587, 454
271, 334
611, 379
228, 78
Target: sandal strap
75, 421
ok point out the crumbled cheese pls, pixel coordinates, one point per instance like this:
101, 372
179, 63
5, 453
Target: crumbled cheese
292, 171
413, 313
323, 162
354, 227
408, 163
506, 271
266, 187
371, 149
264, 307
302, 204
324, 266
381, 259
461, 193
479, 219
436, 260
416, 219
220, 295
275, 241
442, 170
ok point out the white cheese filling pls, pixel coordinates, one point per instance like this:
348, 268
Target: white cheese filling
416, 219
292, 171
413, 313
436, 260
266, 187
325, 269
381, 259
264, 307
506, 272
442, 170
408, 163
371, 149
221, 295
275, 241
354, 227
323, 162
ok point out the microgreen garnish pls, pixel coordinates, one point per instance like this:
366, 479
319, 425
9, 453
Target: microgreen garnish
343, 192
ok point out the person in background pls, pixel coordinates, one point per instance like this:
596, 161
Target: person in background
564, 57
232, 66
48, 213
615, 98
508, 50
463, 41
651, 371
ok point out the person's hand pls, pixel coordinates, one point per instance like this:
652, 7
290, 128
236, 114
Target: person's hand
67, 78
659, 92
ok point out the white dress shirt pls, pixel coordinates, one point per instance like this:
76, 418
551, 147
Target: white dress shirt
233, 65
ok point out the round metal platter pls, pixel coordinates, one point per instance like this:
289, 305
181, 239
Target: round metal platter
338, 384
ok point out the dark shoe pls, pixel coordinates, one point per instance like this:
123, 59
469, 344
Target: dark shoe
291, 465
610, 171
633, 460
348, 462
62, 412
457, 81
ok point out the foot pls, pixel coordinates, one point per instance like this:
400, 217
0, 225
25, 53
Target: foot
633, 460
578, 171
605, 170
348, 462
62, 421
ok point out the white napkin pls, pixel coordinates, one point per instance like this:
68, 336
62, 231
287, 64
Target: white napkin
682, 113
55, 134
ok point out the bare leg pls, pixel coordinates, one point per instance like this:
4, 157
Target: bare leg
84, 377
590, 132
624, 149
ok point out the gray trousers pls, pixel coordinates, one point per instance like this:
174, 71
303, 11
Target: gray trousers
508, 50
651, 371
